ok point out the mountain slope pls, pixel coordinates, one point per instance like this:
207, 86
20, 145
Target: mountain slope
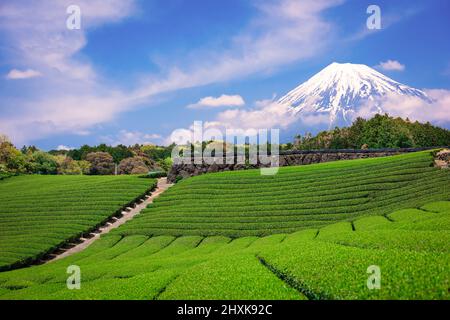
340, 89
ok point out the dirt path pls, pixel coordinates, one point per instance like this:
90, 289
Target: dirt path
127, 215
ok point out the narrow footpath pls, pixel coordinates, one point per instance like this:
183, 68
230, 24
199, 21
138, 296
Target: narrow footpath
116, 222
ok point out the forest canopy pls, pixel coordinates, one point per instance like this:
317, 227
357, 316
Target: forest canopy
381, 131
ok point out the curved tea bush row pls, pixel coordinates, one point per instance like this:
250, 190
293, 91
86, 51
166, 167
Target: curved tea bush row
409, 246
40, 213
244, 203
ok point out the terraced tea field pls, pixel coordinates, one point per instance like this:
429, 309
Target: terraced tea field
39, 213
309, 232
410, 247
244, 203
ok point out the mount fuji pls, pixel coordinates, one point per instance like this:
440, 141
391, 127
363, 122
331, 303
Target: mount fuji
340, 90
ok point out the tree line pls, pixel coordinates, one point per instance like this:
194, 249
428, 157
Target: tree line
96, 160
381, 131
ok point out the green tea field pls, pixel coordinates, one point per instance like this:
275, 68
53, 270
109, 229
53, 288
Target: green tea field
244, 203
410, 246
39, 213
309, 233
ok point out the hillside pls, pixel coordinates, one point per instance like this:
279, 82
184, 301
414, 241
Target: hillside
244, 203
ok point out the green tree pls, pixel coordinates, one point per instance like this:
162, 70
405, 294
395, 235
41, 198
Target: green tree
157, 152
85, 166
119, 153
166, 164
41, 163
67, 166
381, 131
102, 163
11, 159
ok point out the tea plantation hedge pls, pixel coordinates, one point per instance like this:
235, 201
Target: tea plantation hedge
325, 263
244, 203
40, 213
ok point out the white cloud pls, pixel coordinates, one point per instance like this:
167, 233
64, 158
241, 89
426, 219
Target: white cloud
266, 115
391, 65
414, 108
222, 101
33, 31
180, 136
62, 113
129, 138
62, 147
16, 74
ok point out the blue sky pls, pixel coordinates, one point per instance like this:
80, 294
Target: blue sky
131, 71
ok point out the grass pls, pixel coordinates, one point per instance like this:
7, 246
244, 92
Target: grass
325, 263
4, 176
244, 203
40, 213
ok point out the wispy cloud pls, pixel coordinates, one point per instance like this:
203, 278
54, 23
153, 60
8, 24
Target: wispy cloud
390, 65
15, 74
388, 19
217, 102
265, 114
129, 138
71, 96
282, 32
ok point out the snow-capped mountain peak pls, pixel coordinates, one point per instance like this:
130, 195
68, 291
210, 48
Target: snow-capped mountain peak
340, 88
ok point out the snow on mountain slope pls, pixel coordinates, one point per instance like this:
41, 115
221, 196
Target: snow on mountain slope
340, 89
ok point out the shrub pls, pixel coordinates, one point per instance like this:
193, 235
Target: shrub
157, 174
